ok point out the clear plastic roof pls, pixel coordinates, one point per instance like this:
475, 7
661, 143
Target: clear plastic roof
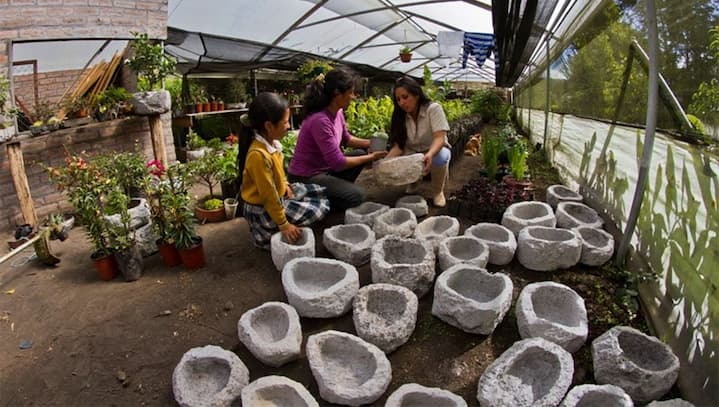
231, 35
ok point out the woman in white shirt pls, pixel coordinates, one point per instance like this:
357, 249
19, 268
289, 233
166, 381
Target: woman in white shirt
420, 126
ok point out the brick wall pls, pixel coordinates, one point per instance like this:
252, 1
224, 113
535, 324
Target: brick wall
115, 135
51, 86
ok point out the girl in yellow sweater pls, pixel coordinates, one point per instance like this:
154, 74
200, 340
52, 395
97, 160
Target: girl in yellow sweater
270, 203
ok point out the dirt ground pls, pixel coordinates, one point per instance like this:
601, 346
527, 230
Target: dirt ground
88, 335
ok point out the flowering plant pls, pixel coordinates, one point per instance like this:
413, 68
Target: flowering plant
167, 194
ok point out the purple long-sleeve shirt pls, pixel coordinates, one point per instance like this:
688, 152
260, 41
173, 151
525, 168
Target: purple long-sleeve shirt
319, 143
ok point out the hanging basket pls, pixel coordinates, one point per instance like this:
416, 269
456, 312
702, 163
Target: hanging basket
405, 57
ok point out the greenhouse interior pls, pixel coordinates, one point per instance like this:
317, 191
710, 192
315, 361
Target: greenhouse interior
359, 202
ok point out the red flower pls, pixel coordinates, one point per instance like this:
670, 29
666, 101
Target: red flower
232, 139
156, 168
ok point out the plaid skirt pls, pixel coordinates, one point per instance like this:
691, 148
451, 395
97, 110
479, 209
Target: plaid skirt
309, 205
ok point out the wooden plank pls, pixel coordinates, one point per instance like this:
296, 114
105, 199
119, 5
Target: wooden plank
19, 179
158, 141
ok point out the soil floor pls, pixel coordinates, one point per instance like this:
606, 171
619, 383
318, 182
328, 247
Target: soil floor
94, 343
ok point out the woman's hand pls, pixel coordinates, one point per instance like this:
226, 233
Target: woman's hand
292, 233
376, 155
427, 159
290, 194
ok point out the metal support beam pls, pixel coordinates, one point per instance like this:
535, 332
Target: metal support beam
371, 37
291, 28
546, 104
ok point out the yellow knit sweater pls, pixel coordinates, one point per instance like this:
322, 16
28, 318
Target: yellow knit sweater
264, 182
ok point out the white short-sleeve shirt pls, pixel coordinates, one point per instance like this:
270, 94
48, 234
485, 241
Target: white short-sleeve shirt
430, 119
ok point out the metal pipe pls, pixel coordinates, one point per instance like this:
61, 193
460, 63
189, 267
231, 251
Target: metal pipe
546, 105
652, 99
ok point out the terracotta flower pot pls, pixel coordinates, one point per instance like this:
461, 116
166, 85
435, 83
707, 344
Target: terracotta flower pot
106, 266
406, 57
193, 257
214, 215
170, 255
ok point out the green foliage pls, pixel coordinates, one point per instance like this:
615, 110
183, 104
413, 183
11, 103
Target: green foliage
430, 89
194, 141
406, 50
288, 147
173, 84
150, 61
113, 98
4, 94
517, 155
211, 167
228, 164
697, 124
212, 204
455, 109
491, 148
236, 91
366, 118
311, 68
505, 113
127, 168
487, 104
198, 93
169, 200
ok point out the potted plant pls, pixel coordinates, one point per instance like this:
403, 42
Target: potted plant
228, 169
208, 169
196, 145
122, 233
149, 61
112, 103
182, 230
405, 54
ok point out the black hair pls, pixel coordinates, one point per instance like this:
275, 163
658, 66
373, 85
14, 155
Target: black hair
266, 107
321, 90
398, 129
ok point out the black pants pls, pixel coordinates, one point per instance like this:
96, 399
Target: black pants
342, 191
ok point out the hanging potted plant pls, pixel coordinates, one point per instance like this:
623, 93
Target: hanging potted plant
405, 54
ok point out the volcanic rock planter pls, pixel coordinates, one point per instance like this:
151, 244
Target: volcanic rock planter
415, 203
350, 243
413, 394
472, 299
365, 213
597, 246
277, 391
405, 262
640, 364
532, 213
462, 249
436, 228
554, 312
384, 315
272, 333
400, 170
320, 288
347, 369
396, 221
559, 193
588, 395
284, 251
573, 214
532, 372
670, 403
541, 248
209, 376
501, 241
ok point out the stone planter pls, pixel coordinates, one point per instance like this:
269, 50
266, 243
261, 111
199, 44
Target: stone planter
573, 214
272, 333
209, 376
593, 395
641, 365
597, 246
531, 213
320, 288
436, 228
365, 213
501, 241
471, 299
277, 391
405, 262
415, 203
554, 312
532, 372
347, 369
400, 170
283, 251
542, 248
560, 193
350, 243
396, 221
670, 403
385, 315
413, 394
462, 250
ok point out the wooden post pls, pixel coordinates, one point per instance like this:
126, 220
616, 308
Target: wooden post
158, 141
19, 178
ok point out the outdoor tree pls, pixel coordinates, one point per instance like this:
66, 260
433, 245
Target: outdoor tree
149, 61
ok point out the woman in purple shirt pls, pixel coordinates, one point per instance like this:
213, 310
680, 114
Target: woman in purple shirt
318, 157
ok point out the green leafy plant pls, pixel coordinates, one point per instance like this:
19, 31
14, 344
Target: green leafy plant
149, 61
228, 164
366, 118
405, 50
455, 109
288, 147
517, 155
313, 67
236, 91
194, 141
491, 148
212, 204
126, 167
114, 100
487, 104
167, 195
209, 168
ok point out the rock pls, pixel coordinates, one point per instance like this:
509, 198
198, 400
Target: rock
532, 372
462, 249
542, 248
401, 170
347, 369
530, 213
405, 262
640, 364
385, 315
272, 333
554, 312
149, 103
396, 221
415, 203
283, 251
560, 193
588, 395
365, 213
413, 394
209, 376
277, 391
597, 246
320, 288
436, 228
670, 403
471, 299
501, 241
574, 214
350, 243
